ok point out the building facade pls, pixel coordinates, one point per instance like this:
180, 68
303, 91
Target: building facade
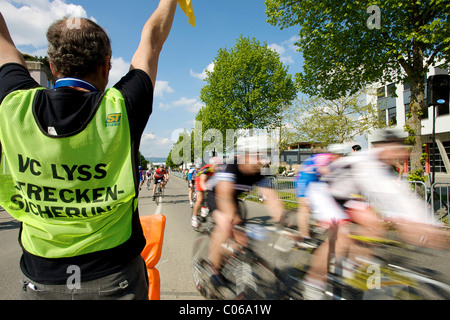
41, 73
393, 104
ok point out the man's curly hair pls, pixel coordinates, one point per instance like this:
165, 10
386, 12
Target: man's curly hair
77, 50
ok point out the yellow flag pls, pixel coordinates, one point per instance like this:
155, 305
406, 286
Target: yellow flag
186, 6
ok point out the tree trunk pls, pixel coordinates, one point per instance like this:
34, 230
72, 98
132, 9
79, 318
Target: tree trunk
417, 101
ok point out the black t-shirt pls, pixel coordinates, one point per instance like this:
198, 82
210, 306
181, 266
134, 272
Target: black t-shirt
67, 110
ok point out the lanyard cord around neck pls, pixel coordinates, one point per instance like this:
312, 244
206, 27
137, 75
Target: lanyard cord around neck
73, 82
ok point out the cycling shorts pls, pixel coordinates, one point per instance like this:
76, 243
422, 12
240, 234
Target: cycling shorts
211, 202
324, 206
157, 180
191, 183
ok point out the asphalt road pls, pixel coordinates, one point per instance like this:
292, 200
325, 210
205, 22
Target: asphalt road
175, 263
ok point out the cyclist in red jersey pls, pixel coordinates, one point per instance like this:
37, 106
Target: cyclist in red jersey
159, 175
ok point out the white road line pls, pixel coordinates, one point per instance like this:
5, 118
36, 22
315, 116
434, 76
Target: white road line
159, 206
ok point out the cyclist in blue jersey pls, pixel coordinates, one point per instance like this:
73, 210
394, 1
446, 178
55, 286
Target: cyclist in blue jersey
192, 172
311, 171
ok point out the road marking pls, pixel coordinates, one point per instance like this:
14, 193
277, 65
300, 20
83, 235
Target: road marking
158, 206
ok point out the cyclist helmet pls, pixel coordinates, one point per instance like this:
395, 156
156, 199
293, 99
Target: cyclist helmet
388, 136
255, 144
338, 148
215, 160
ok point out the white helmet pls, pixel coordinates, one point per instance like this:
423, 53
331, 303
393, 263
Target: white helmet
215, 160
338, 148
255, 144
390, 135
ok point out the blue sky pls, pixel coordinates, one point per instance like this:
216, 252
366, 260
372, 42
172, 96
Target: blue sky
186, 54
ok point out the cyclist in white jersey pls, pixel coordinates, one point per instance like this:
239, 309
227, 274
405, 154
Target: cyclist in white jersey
366, 173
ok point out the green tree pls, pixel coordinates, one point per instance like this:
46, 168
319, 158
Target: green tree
182, 150
169, 162
335, 121
347, 45
246, 88
142, 161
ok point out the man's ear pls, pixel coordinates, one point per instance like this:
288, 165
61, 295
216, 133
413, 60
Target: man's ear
106, 68
53, 69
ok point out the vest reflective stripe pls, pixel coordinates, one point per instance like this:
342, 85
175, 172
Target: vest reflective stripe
74, 194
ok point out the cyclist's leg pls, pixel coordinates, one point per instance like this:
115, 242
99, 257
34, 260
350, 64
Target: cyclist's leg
329, 212
367, 223
154, 188
191, 190
303, 217
198, 202
304, 209
221, 232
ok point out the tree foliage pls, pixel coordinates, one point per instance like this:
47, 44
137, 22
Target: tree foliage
246, 88
335, 121
344, 52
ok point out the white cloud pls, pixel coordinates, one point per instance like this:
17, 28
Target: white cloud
119, 69
154, 139
202, 75
162, 87
164, 106
148, 136
286, 49
192, 105
276, 47
28, 20
155, 146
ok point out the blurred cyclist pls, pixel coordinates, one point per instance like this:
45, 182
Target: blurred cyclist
225, 186
311, 171
191, 183
159, 176
365, 173
201, 178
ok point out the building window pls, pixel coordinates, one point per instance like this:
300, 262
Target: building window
391, 90
425, 111
392, 116
381, 92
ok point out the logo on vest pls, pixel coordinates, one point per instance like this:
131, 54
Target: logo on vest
113, 119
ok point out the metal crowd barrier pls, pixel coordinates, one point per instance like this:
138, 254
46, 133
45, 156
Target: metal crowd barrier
438, 201
435, 198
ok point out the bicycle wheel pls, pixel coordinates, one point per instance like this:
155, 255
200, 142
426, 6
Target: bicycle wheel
201, 280
401, 283
291, 267
253, 279
157, 193
201, 274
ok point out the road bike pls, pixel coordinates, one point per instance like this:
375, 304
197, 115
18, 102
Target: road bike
159, 192
246, 274
388, 274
